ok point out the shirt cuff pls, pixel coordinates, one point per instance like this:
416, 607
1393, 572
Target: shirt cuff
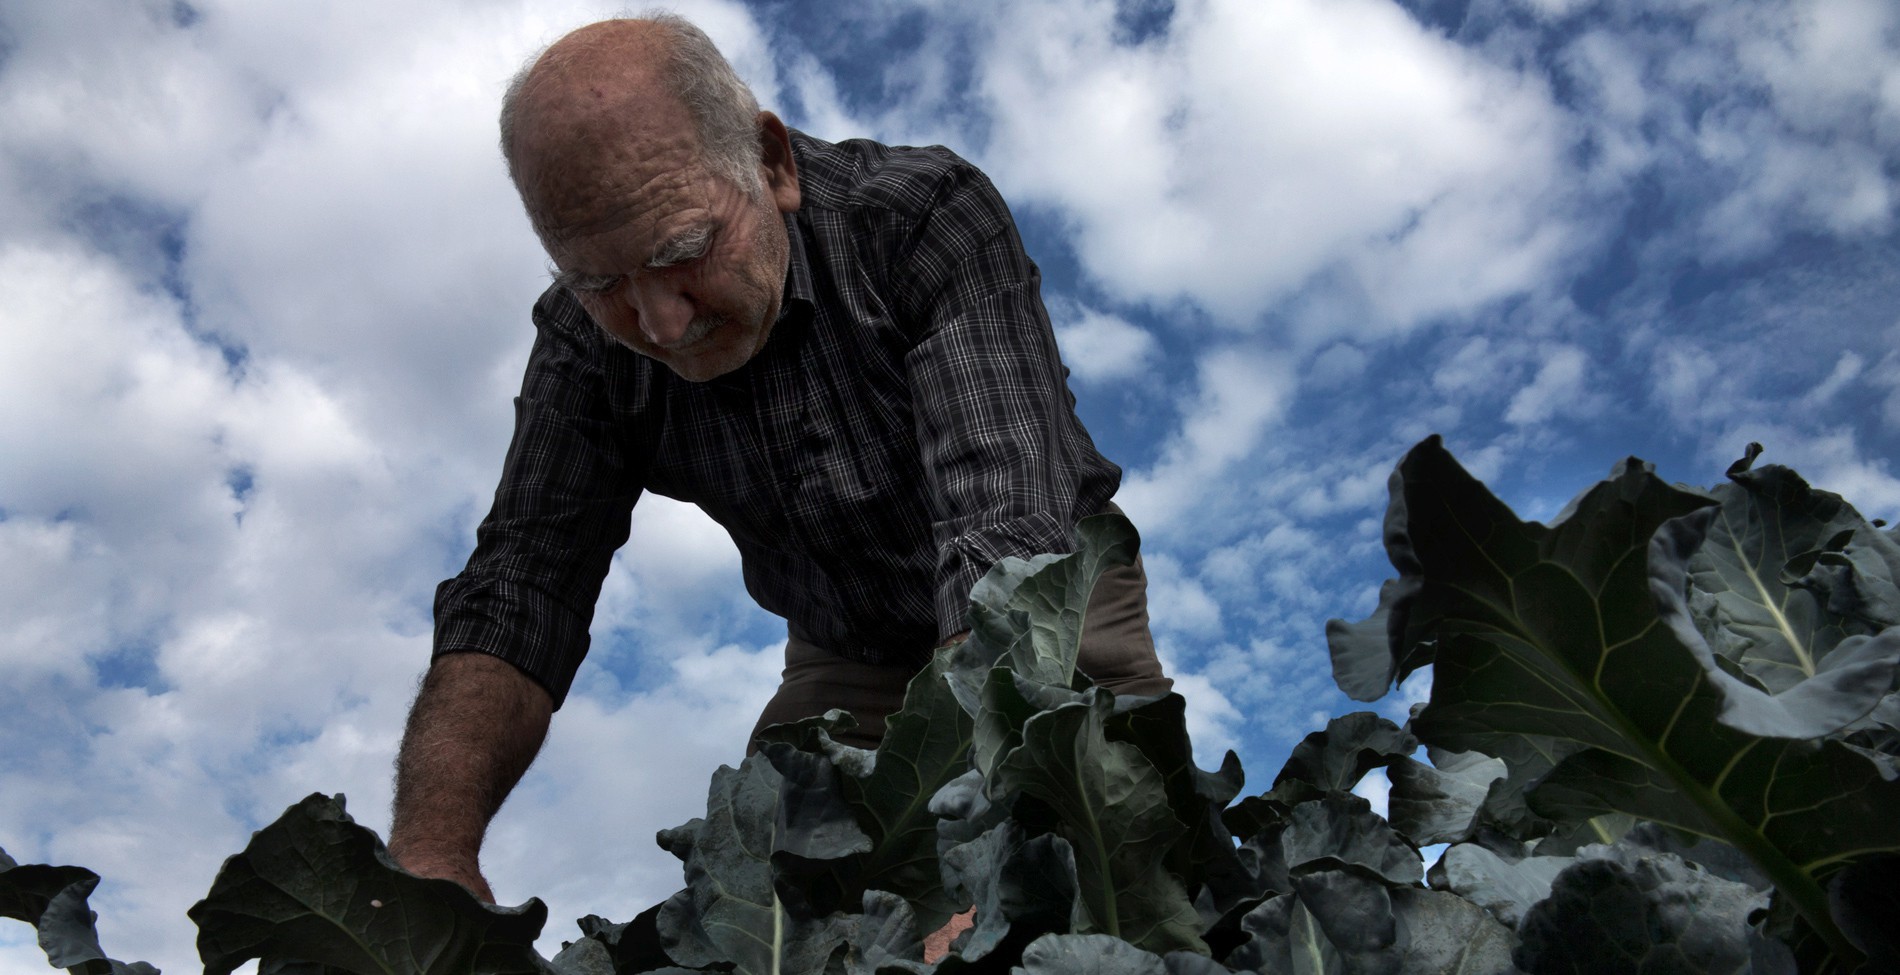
966, 558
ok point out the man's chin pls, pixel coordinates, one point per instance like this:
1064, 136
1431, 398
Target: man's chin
719, 359
708, 365
701, 372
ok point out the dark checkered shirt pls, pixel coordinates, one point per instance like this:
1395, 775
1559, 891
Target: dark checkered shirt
907, 424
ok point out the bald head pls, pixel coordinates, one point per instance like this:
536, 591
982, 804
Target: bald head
617, 92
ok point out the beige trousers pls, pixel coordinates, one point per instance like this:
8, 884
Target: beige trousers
1117, 653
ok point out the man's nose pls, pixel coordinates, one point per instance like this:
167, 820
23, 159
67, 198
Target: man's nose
662, 307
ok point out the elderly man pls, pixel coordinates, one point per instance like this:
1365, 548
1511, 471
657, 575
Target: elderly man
839, 352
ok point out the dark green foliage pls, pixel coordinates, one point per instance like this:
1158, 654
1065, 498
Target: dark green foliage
1663, 736
1660, 653
314, 887
53, 899
1440, 802
1615, 910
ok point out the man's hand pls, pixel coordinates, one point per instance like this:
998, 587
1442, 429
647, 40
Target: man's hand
475, 727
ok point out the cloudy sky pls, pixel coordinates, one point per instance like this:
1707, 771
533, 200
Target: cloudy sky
263, 305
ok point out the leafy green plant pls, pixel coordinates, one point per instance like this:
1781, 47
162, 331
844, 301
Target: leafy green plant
1662, 735
53, 899
1721, 663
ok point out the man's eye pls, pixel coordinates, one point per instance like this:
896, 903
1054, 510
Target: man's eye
684, 249
597, 285
587, 284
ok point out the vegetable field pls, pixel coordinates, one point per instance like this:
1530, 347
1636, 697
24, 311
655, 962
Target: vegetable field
1663, 736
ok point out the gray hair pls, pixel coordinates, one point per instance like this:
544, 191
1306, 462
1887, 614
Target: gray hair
723, 109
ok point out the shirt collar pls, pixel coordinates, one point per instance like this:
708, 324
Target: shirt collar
798, 287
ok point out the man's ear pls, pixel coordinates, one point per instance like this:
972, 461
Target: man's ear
776, 164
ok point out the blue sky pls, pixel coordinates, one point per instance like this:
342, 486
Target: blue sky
263, 296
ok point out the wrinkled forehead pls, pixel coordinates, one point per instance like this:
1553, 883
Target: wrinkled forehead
592, 192
586, 161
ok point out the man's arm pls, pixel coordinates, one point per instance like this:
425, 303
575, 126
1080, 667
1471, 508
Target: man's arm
1008, 467
475, 727
561, 509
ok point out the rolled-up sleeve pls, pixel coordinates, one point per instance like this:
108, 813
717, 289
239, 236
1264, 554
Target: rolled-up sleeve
1010, 468
567, 490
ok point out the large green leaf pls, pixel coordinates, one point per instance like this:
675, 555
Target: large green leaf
816, 837
1362, 653
1030, 612
883, 795
855, 825
1021, 886
1505, 886
630, 946
1723, 581
314, 887
1088, 954
1205, 858
1861, 580
1334, 760
1342, 830
926, 745
1323, 763
730, 912
1551, 634
1112, 806
1748, 611
1099, 954
1285, 937
1440, 802
1114, 781
1819, 690
884, 938
1716, 857
1865, 899
53, 900
1443, 934
1341, 922
1619, 910
1004, 706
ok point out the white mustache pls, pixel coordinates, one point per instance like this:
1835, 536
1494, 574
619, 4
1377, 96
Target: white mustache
696, 330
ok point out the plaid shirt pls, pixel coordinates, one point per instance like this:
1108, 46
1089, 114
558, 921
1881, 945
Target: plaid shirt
906, 425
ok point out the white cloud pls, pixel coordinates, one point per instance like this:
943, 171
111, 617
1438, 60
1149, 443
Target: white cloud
1176, 601
1469, 370
1778, 117
1241, 563
674, 553
1416, 690
1555, 8
1098, 347
1886, 376
1559, 388
55, 586
1376, 789
1828, 62
158, 106
1341, 364
1685, 380
1258, 146
1212, 719
1241, 394
1847, 368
